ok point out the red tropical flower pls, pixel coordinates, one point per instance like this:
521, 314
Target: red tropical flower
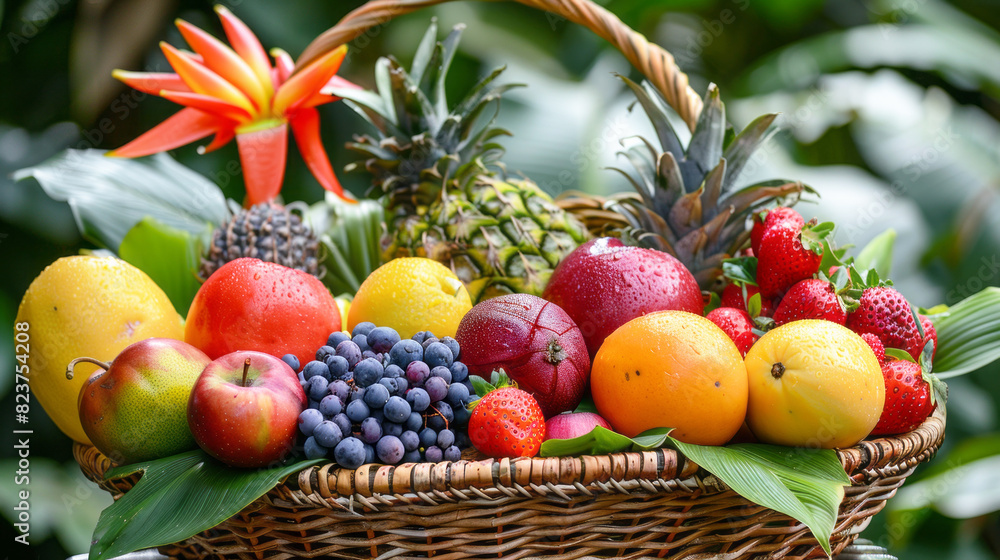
235, 92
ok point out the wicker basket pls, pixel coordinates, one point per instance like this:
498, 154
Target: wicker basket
625, 505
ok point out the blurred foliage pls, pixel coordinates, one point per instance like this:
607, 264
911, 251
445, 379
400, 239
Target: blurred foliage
891, 107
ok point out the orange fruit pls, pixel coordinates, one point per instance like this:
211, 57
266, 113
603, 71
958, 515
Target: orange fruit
671, 369
813, 383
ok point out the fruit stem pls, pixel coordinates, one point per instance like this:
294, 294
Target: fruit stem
777, 370
96, 362
246, 369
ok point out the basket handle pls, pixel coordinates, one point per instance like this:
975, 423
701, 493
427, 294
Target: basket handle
653, 61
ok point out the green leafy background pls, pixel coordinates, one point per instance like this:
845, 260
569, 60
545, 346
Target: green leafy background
891, 110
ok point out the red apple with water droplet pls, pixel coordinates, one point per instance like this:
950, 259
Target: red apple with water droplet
604, 284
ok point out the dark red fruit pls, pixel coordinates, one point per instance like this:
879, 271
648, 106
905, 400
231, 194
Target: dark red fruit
784, 259
737, 324
732, 296
766, 219
507, 422
811, 299
573, 424
876, 346
884, 312
534, 341
604, 284
907, 398
930, 333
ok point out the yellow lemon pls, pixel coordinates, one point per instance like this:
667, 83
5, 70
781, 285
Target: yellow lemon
85, 306
813, 383
411, 294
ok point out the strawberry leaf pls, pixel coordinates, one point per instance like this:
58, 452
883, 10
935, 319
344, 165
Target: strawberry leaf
920, 327
753, 306
813, 237
742, 269
877, 254
899, 354
714, 301
481, 386
926, 356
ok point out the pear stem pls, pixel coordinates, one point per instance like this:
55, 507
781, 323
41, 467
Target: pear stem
96, 362
246, 369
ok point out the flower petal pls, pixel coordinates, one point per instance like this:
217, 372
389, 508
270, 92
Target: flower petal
225, 62
202, 80
283, 66
151, 82
325, 95
262, 155
305, 127
208, 104
183, 127
306, 82
246, 44
222, 137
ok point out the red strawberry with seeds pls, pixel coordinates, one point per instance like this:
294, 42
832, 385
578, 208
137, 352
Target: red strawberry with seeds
812, 298
507, 422
737, 324
907, 398
789, 253
876, 345
884, 312
766, 219
732, 296
930, 333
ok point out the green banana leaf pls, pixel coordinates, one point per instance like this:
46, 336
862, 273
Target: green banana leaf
179, 497
877, 254
805, 484
351, 234
968, 334
169, 256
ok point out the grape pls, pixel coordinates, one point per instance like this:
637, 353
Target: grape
350, 453
452, 345
389, 450
324, 352
357, 410
368, 354
302, 379
462, 440
368, 372
417, 372
410, 440
442, 372
376, 396
315, 368
401, 386
392, 429
396, 409
434, 454
357, 393
389, 383
462, 415
436, 388
411, 457
452, 453
443, 417
421, 336
314, 450
343, 422
404, 352
350, 352
338, 366
369, 453
362, 328
459, 372
458, 395
362, 342
308, 420
446, 438
371, 430
336, 338
419, 399
328, 434
393, 371
414, 422
331, 406
428, 437
428, 341
437, 354
382, 339
378, 415
339, 388
312, 403
292, 360
317, 387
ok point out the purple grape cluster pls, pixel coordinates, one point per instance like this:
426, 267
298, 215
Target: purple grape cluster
374, 397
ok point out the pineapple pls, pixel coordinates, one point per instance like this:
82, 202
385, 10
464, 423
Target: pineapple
687, 203
268, 232
445, 192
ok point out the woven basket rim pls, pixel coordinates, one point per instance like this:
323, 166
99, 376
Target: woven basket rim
869, 460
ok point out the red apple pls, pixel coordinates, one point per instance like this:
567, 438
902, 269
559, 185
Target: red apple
604, 284
534, 341
244, 409
573, 424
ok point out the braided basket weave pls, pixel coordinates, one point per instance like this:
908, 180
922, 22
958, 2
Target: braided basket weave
625, 505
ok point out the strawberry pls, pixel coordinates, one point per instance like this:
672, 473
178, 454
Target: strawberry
812, 298
876, 345
789, 253
930, 333
907, 398
507, 422
737, 324
884, 312
766, 219
732, 296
